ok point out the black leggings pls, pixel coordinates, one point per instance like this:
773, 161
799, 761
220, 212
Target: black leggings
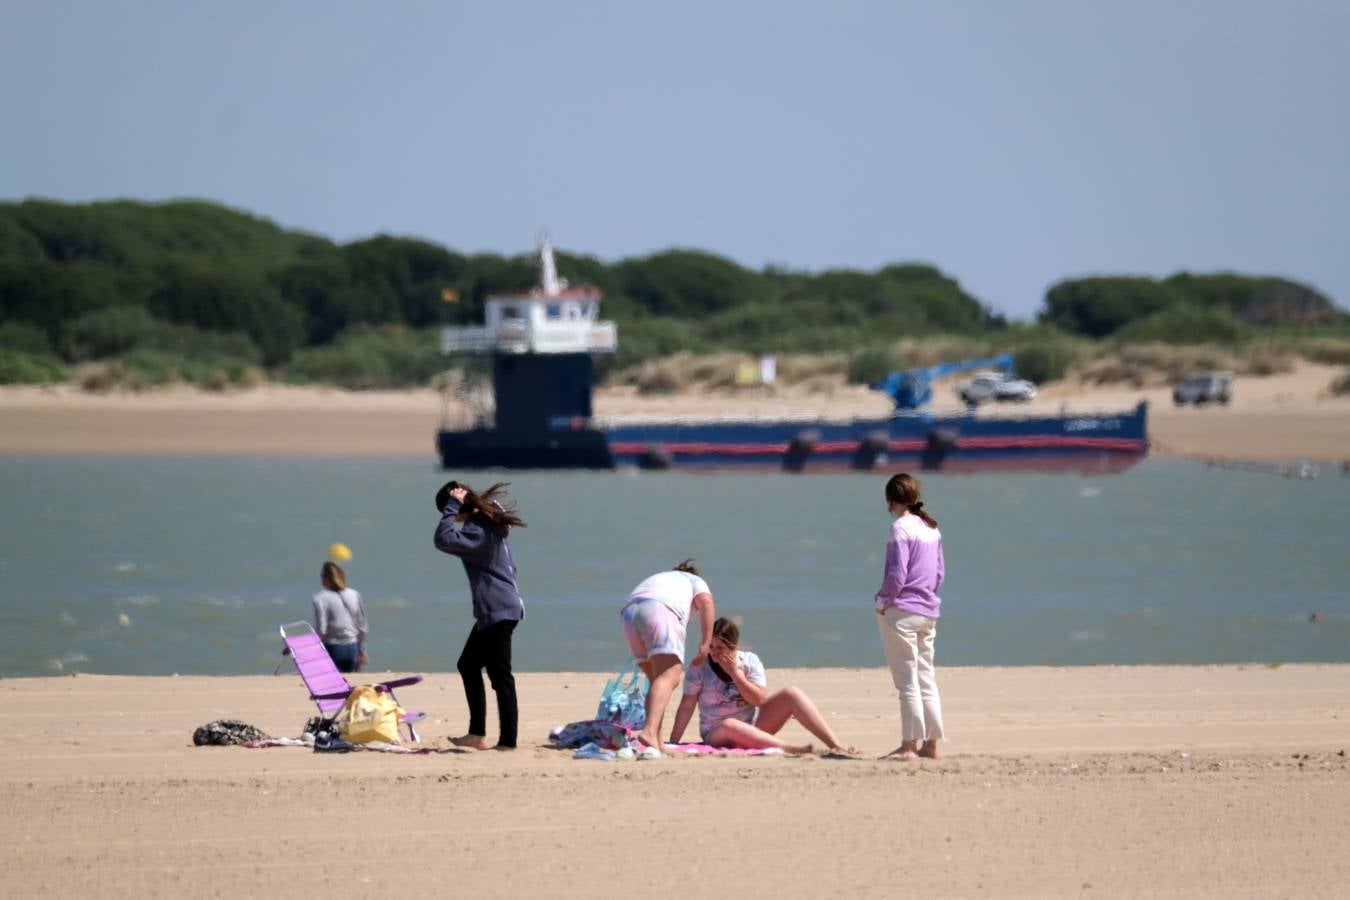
490, 648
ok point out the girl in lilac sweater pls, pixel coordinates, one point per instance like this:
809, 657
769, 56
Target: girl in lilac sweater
907, 608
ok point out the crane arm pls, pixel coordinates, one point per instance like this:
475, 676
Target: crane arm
913, 388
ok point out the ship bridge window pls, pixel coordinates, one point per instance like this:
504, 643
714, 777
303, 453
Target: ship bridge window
553, 311
510, 312
573, 312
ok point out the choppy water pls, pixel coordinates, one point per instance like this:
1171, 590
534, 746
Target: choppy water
154, 566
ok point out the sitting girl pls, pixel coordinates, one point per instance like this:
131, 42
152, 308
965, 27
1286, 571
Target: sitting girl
734, 707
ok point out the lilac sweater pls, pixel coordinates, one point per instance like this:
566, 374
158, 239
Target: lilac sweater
914, 568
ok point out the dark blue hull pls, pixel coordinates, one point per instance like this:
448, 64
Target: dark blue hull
1098, 443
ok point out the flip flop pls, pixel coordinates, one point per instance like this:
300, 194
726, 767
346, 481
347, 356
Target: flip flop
842, 753
651, 753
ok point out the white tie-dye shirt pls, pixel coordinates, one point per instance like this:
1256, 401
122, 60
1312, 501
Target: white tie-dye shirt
720, 700
675, 589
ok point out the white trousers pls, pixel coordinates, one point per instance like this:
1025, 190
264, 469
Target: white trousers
907, 639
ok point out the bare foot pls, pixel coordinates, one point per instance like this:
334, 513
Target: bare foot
845, 751
648, 740
901, 753
930, 750
471, 741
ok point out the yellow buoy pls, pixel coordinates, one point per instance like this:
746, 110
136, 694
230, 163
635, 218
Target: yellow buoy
340, 552
123, 619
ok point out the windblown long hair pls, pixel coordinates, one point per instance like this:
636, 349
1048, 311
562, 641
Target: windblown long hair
493, 505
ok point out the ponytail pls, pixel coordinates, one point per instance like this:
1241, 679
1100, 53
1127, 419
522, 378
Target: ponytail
918, 510
903, 491
688, 566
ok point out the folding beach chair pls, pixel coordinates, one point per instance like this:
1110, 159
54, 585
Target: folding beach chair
328, 687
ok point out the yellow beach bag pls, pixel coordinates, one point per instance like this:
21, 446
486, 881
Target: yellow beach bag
369, 715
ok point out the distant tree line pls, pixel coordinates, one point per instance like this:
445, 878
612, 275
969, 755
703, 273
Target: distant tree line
198, 291
1184, 308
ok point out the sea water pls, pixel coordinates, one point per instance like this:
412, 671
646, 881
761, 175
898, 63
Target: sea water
155, 566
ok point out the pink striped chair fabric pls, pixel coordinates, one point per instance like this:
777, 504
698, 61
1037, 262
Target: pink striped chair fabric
328, 687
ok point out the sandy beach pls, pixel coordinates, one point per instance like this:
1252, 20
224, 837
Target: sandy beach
1136, 781
1280, 417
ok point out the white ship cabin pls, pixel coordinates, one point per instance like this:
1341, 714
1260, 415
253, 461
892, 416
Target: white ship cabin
551, 318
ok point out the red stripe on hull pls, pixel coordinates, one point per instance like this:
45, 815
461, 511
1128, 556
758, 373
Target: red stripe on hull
1033, 442
1077, 463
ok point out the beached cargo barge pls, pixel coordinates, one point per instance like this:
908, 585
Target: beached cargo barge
542, 342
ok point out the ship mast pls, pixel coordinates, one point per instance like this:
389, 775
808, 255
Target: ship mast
550, 282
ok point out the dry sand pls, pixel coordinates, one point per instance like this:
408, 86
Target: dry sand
1133, 781
1289, 416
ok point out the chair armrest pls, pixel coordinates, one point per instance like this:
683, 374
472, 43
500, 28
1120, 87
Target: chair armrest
398, 682
382, 686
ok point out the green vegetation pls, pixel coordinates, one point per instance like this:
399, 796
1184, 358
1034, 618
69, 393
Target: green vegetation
24, 338
1044, 361
1102, 307
872, 364
1186, 324
366, 356
19, 367
1326, 350
127, 294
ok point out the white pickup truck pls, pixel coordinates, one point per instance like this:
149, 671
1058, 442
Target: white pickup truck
996, 387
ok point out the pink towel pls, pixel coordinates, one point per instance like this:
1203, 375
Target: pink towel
706, 749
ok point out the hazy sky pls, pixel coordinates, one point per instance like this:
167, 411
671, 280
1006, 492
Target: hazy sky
1011, 142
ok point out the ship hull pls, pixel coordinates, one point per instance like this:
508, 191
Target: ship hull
486, 448
1089, 444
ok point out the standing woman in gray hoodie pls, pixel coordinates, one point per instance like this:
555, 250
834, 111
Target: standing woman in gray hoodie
474, 527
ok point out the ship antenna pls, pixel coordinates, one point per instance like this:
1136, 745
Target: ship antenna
551, 285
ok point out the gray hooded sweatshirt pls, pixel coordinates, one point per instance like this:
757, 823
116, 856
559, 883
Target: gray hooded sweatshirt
487, 562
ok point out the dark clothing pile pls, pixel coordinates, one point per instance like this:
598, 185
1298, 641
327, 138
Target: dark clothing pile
226, 732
